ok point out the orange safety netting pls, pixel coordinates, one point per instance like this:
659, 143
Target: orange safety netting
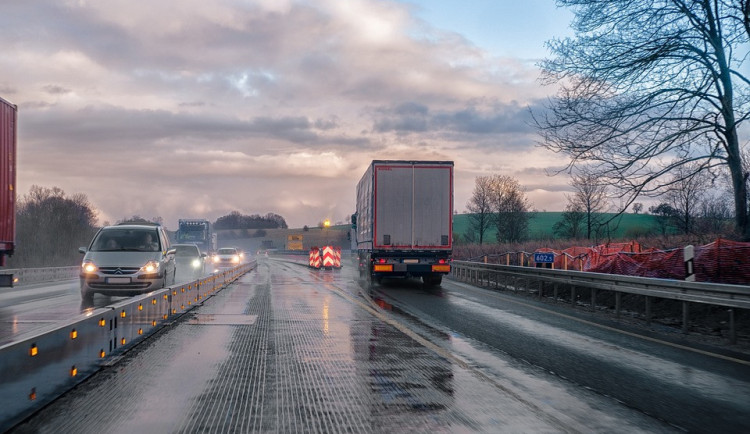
722, 261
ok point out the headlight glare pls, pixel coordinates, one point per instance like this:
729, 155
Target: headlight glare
196, 263
150, 267
89, 267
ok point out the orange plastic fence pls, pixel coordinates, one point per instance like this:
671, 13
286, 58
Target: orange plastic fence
722, 261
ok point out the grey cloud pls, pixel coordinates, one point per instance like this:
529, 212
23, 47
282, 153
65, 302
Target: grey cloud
101, 125
56, 90
414, 117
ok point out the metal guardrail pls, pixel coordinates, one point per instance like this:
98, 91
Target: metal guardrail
535, 280
39, 366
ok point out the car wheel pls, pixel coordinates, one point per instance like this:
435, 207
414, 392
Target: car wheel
87, 298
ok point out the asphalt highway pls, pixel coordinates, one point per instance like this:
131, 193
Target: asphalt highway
291, 349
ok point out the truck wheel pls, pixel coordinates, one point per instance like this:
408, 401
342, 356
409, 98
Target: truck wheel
432, 279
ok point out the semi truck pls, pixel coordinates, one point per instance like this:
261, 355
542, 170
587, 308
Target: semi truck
404, 220
8, 136
198, 232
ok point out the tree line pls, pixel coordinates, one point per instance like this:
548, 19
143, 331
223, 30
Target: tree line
236, 220
51, 225
691, 206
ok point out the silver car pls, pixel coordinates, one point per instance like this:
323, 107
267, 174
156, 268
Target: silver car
127, 260
191, 263
227, 257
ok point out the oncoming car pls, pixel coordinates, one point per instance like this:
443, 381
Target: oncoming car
189, 260
226, 257
127, 260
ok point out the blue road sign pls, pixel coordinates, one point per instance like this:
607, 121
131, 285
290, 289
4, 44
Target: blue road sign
544, 257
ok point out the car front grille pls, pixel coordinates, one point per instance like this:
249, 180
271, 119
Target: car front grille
134, 285
118, 271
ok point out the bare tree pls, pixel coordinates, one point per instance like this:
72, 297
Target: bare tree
714, 215
637, 207
665, 217
645, 80
480, 207
511, 208
590, 198
571, 224
687, 188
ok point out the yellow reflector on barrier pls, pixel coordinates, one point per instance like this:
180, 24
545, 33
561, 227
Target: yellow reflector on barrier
140, 331
32, 394
165, 316
153, 301
382, 268
73, 371
441, 268
33, 351
123, 314
73, 334
102, 354
102, 323
140, 307
166, 297
123, 341
153, 323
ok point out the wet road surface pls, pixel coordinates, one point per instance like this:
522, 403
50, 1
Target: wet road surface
32, 308
288, 349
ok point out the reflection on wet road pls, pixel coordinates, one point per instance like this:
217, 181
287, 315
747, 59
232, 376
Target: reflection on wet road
288, 349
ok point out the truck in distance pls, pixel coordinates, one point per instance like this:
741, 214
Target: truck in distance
198, 232
8, 136
404, 220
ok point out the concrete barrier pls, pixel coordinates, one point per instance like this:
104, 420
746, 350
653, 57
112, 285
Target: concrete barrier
39, 366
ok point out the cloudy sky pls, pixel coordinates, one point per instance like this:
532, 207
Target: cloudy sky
196, 108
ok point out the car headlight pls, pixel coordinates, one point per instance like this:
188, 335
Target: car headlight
196, 263
150, 267
236, 259
216, 258
89, 267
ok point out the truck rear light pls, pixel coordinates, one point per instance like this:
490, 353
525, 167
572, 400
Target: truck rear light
442, 261
378, 268
441, 268
381, 261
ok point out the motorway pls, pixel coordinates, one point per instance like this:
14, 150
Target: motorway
290, 349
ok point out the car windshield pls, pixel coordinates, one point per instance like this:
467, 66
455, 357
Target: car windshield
120, 239
186, 251
227, 252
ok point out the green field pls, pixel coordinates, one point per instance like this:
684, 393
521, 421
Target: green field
540, 226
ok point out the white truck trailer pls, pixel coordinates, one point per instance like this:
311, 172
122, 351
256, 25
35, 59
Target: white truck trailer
404, 220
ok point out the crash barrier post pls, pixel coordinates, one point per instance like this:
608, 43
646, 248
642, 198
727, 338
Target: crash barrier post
715, 294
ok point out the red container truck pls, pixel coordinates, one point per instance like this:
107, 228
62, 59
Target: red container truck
8, 121
404, 220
